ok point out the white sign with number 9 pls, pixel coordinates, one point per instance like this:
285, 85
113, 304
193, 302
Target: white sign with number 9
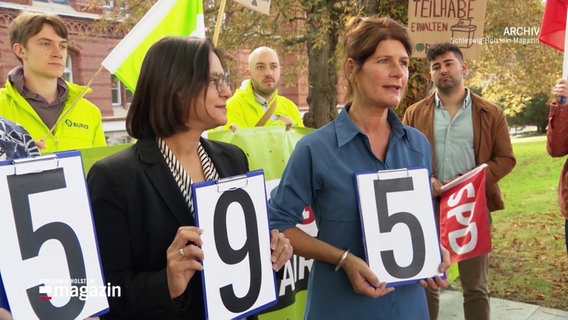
237, 271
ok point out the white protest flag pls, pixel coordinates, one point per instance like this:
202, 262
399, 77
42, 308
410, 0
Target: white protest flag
165, 18
262, 6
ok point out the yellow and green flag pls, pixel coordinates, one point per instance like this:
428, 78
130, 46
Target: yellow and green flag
165, 18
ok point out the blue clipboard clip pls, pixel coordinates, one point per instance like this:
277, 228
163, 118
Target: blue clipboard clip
231, 183
35, 164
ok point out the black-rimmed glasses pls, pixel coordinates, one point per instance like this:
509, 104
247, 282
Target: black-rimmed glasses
218, 80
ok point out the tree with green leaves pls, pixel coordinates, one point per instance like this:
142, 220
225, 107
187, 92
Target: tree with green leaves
514, 67
307, 29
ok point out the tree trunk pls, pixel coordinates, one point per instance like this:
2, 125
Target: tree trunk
322, 98
322, 74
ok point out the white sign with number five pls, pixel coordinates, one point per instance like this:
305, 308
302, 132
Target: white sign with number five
50, 264
237, 271
398, 225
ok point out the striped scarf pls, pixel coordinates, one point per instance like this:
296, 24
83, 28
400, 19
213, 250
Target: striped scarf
183, 179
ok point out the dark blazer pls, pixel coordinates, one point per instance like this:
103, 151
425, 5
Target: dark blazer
137, 208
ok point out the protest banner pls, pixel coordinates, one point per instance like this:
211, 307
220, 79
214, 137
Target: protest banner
267, 148
457, 21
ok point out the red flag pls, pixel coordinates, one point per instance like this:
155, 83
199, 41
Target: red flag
464, 217
553, 26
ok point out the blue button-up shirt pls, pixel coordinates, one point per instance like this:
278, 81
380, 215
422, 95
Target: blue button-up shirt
453, 139
320, 173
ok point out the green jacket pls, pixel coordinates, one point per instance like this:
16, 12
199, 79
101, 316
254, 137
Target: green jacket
244, 111
81, 128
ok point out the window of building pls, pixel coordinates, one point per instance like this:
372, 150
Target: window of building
54, 1
110, 4
121, 97
68, 71
115, 91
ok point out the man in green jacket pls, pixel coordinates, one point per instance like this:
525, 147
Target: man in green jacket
464, 131
257, 103
35, 94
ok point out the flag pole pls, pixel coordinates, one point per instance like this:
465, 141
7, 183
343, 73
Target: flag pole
79, 96
219, 22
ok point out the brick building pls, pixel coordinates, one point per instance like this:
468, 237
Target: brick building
87, 49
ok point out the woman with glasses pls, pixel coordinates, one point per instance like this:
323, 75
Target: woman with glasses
141, 197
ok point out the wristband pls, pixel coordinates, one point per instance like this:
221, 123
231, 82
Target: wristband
343, 257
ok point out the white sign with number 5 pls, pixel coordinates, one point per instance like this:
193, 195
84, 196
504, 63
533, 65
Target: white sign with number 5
49, 258
398, 223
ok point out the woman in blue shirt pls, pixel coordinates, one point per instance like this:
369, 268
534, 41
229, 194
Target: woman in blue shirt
366, 136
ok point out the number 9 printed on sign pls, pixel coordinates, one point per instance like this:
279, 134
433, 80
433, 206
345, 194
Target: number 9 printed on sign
237, 272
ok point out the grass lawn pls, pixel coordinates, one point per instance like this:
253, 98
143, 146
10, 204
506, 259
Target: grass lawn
529, 262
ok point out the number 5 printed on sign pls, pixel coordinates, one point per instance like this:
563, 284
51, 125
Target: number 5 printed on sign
50, 264
399, 229
237, 272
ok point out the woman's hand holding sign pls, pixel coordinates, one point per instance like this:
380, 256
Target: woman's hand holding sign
281, 249
184, 258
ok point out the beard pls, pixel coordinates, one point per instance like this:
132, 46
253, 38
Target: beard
446, 85
263, 89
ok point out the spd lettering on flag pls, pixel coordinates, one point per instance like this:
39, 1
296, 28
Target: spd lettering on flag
464, 217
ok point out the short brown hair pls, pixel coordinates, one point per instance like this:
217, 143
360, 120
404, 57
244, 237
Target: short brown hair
439, 49
362, 35
174, 73
28, 24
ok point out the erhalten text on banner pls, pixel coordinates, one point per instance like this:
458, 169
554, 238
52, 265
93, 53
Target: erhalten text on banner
464, 217
165, 18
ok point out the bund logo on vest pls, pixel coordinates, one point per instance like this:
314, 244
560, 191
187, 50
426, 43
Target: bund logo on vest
73, 124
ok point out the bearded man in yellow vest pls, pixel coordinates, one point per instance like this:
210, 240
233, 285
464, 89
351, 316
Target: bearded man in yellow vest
257, 102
